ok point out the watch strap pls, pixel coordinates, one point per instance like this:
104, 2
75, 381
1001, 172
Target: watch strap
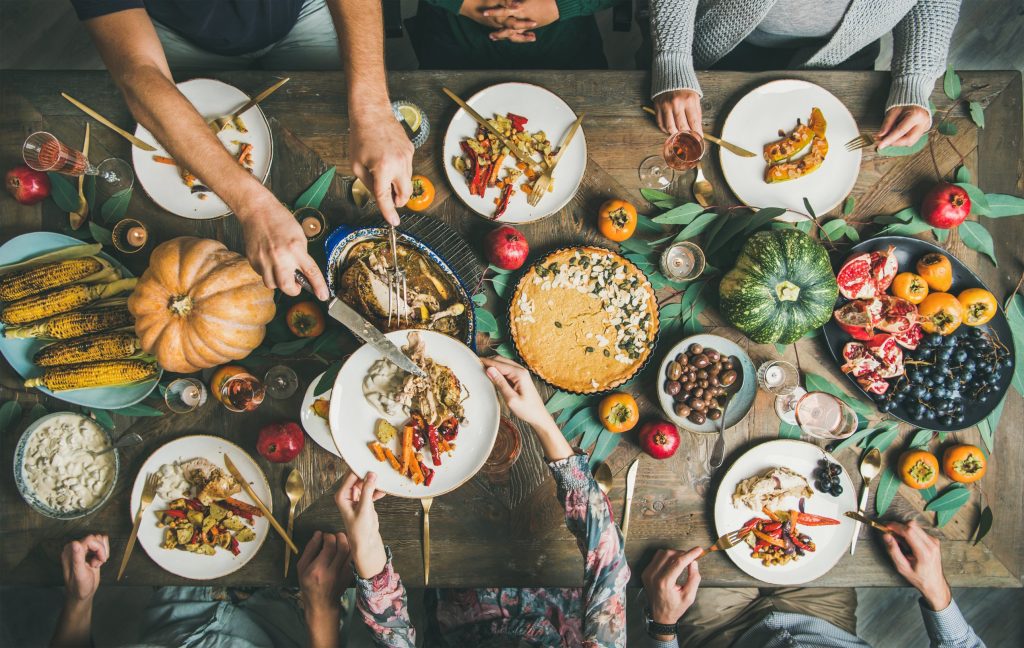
655, 628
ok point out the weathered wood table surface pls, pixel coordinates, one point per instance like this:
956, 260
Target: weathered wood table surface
513, 533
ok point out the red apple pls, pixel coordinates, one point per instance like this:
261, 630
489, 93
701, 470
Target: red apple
506, 248
659, 439
280, 442
945, 206
26, 185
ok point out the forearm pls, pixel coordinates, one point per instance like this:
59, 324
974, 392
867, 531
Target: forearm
920, 43
74, 626
947, 627
552, 441
672, 26
323, 626
384, 606
360, 28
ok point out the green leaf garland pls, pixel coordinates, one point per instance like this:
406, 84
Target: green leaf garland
899, 151
977, 114
314, 195
975, 236
888, 484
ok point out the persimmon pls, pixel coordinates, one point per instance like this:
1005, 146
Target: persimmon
964, 463
936, 269
979, 306
616, 220
940, 313
910, 286
919, 469
422, 194
305, 319
618, 412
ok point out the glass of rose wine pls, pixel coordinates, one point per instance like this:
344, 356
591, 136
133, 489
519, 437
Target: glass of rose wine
42, 151
242, 392
824, 416
681, 151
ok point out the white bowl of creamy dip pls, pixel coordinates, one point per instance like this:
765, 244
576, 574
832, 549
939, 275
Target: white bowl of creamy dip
58, 469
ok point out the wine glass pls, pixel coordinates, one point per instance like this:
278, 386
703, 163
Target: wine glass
185, 395
681, 151
42, 151
242, 392
280, 381
782, 379
824, 416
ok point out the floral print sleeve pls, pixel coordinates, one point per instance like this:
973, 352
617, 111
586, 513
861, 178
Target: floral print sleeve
383, 604
588, 515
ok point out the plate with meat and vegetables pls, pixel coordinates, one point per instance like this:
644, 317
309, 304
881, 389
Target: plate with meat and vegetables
793, 532
247, 139
801, 130
488, 178
423, 436
201, 524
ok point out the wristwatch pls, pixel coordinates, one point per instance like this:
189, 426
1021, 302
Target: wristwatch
655, 629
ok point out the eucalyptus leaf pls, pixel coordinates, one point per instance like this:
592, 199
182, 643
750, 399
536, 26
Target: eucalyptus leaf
681, 215
927, 494
1014, 308
579, 423
975, 236
485, 322
480, 299
835, 229
979, 202
493, 269
899, 151
507, 350
951, 83
916, 225
810, 210
138, 410
941, 235
638, 246
652, 195
37, 412
921, 439
591, 430
63, 192
560, 400
10, 413
115, 207
103, 417
501, 284
789, 431
984, 524
888, 484
854, 438
314, 195
646, 264
568, 412
987, 427
664, 204
1002, 205
89, 192
326, 382
606, 443
948, 128
953, 497
962, 174
324, 341
805, 226
100, 234
696, 227
848, 205
977, 113
882, 439
852, 234
645, 223
290, 347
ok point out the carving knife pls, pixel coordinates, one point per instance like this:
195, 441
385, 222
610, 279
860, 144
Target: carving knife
630, 485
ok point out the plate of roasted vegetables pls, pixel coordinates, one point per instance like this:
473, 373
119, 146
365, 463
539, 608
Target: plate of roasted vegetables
484, 172
792, 532
65, 326
799, 131
201, 524
423, 436
246, 138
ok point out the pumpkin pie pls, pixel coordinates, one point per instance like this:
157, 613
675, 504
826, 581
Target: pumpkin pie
584, 319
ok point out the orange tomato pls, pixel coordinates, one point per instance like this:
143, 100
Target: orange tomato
221, 375
964, 463
617, 220
919, 469
618, 412
940, 313
422, 194
979, 306
910, 286
305, 319
936, 270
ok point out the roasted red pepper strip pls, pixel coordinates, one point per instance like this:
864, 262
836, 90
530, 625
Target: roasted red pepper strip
760, 545
506, 193
428, 474
236, 510
449, 429
518, 122
749, 525
174, 513
435, 450
808, 519
194, 504
769, 539
771, 514
772, 526
796, 540
234, 547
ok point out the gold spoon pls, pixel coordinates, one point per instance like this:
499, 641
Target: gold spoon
603, 477
703, 192
870, 465
426, 502
295, 488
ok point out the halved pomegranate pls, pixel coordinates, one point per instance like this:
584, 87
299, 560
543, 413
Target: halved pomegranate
909, 338
884, 268
888, 352
874, 384
854, 277
896, 314
859, 361
855, 319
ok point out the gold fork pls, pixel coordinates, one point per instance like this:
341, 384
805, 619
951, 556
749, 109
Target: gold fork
148, 491
427, 502
728, 541
540, 187
863, 140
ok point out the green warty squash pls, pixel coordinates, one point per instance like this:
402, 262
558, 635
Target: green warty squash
781, 288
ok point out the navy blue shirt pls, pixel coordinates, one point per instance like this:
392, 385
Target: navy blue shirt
228, 27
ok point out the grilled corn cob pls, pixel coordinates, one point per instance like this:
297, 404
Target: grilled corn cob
95, 374
115, 345
75, 324
49, 276
62, 300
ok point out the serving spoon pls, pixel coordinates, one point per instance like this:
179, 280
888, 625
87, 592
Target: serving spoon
126, 440
703, 191
718, 452
870, 466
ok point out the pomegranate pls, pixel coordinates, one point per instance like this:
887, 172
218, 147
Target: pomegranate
895, 314
506, 248
874, 384
659, 439
27, 186
868, 274
909, 338
280, 442
859, 360
855, 319
945, 206
889, 354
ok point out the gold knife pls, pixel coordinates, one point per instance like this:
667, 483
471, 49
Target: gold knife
263, 507
217, 125
630, 485
728, 146
109, 124
542, 183
860, 517
523, 157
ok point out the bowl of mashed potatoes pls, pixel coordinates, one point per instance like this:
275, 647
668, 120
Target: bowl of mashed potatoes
59, 469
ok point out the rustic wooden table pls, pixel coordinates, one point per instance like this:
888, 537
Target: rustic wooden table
513, 533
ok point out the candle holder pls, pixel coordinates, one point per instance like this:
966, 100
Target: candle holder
312, 221
185, 395
683, 261
129, 236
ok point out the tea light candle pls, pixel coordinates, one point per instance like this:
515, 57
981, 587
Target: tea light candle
136, 236
682, 261
311, 226
191, 396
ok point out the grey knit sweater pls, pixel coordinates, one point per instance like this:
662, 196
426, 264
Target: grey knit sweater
696, 33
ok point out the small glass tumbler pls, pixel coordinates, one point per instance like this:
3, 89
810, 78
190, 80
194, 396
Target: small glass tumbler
185, 395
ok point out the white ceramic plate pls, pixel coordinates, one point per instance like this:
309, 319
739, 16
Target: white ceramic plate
353, 418
756, 120
316, 427
546, 112
832, 542
163, 182
184, 563
742, 400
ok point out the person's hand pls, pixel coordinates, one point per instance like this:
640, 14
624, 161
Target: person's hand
382, 159
276, 247
678, 110
513, 382
324, 572
355, 501
903, 126
922, 567
518, 16
668, 599
476, 10
81, 561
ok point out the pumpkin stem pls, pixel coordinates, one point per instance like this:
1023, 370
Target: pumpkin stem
787, 291
180, 305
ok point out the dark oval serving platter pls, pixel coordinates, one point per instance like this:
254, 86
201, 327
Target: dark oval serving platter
908, 251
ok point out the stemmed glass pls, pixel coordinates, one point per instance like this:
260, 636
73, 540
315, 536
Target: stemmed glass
782, 379
42, 151
280, 381
824, 416
681, 151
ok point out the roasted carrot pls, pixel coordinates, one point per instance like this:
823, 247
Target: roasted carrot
494, 170
377, 450
163, 159
407, 455
417, 474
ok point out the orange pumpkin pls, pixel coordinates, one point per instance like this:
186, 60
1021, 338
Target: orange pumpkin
919, 469
964, 463
199, 305
618, 412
